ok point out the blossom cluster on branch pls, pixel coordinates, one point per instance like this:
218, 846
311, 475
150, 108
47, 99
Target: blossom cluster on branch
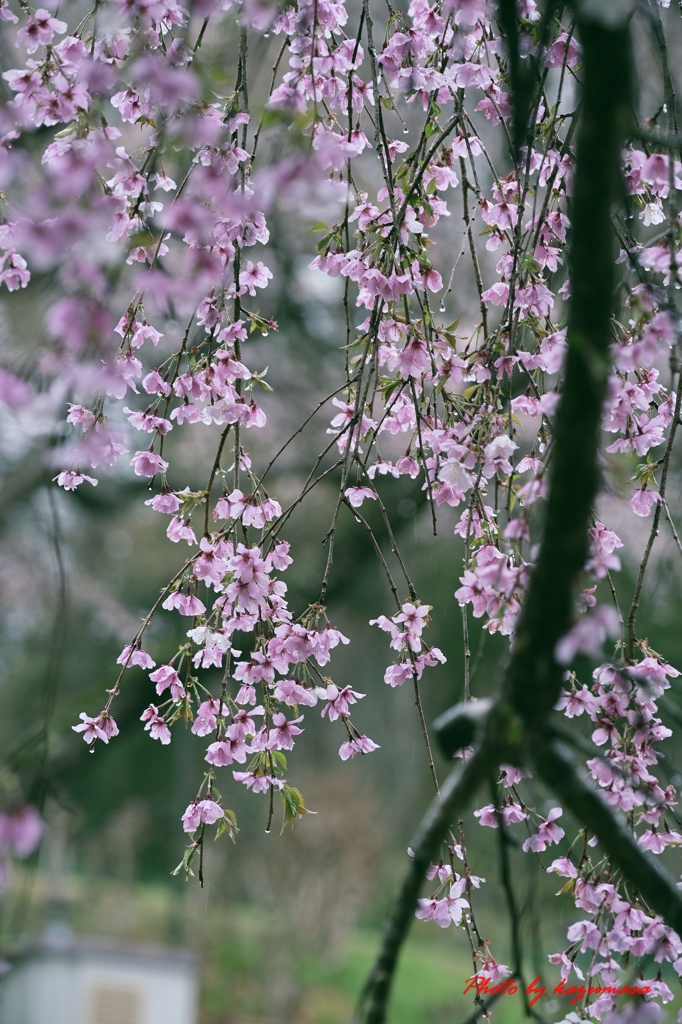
141, 195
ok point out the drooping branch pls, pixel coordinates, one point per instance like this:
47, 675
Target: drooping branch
654, 885
533, 678
455, 795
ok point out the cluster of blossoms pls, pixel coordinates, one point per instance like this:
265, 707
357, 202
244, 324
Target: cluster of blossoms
147, 179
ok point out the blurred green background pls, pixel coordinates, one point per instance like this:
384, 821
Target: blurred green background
286, 925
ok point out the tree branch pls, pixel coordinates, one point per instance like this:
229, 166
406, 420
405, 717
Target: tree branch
534, 679
456, 792
656, 887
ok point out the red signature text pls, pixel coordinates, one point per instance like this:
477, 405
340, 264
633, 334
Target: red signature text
536, 990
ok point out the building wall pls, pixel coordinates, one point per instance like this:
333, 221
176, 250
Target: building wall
99, 989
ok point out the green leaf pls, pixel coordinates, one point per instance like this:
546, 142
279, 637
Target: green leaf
453, 327
292, 799
280, 758
324, 242
227, 824
186, 861
320, 226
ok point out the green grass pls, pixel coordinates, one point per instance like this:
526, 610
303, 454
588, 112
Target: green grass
258, 969
428, 989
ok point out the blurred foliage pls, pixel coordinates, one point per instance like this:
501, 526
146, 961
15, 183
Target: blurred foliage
250, 971
287, 925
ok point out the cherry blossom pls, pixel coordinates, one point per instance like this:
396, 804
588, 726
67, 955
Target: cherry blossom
138, 172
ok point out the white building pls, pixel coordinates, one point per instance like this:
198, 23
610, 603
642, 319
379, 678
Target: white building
64, 979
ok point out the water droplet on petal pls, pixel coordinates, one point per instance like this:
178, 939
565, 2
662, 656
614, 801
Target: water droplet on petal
266, 35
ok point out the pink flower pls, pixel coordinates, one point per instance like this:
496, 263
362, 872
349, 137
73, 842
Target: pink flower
191, 819
279, 556
154, 384
254, 276
497, 294
497, 455
339, 701
70, 480
144, 332
292, 693
653, 841
243, 724
413, 617
511, 775
156, 725
246, 694
510, 812
186, 604
563, 49
258, 783
547, 834
137, 657
205, 720
39, 30
148, 464
434, 910
395, 675
356, 495
443, 912
206, 811
365, 745
360, 745
429, 277
101, 728
567, 965
643, 501
23, 830
14, 391
231, 748
414, 358
220, 753
494, 970
179, 529
282, 734
15, 274
573, 704
469, 12
443, 871
165, 502
588, 635
165, 677
563, 866
655, 171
